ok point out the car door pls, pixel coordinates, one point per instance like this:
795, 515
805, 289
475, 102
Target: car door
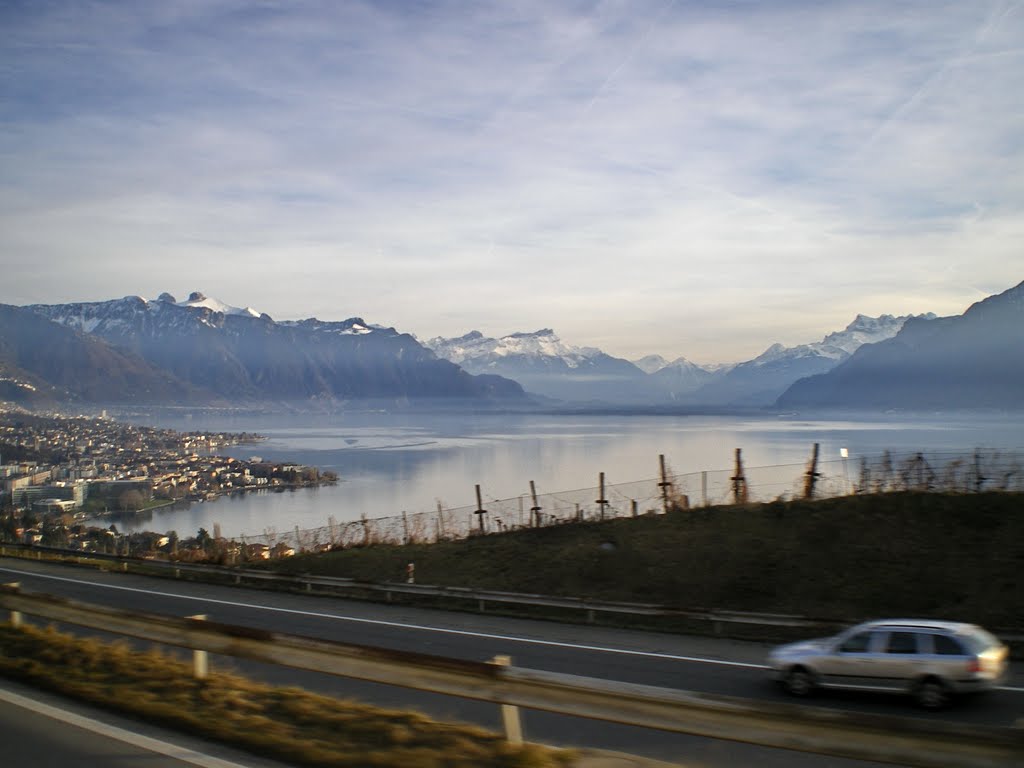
899, 658
851, 661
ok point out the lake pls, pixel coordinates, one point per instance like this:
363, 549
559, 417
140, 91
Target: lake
389, 463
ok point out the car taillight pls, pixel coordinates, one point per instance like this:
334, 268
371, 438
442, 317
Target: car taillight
974, 665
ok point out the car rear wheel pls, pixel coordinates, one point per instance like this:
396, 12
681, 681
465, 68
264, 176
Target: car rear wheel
799, 681
931, 693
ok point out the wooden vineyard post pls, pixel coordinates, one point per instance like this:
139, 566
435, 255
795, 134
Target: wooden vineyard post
664, 484
811, 478
480, 511
602, 502
739, 480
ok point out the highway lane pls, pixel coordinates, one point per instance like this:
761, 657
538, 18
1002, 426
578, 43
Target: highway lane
39, 730
693, 663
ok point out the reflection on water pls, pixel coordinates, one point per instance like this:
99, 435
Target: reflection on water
390, 463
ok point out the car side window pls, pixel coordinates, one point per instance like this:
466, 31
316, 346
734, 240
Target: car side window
902, 642
858, 643
947, 646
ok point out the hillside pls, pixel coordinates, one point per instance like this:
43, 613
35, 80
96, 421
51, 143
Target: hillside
42, 362
973, 360
242, 356
955, 556
762, 380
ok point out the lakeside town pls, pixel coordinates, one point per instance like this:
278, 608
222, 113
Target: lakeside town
60, 474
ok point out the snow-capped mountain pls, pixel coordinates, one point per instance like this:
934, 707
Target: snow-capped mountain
678, 380
44, 363
241, 355
545, 365
652, 363
205, 348
841, 344
197, 299
973, 360
760, 381
542, 348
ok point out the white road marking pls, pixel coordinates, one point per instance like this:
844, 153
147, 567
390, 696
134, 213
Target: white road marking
424, 628
184, 754
401, 625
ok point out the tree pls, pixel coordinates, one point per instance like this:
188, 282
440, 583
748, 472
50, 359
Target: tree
54, 533
131, 500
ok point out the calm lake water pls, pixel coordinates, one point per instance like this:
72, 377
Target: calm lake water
390, 463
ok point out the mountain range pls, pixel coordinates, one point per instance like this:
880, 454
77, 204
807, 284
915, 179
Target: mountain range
545, 365
973, 360
202, 351
199, 350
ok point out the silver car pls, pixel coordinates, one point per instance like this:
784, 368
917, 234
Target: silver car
931, 660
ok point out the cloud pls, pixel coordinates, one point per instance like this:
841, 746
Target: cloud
731, 173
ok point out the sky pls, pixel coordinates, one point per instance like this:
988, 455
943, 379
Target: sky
697, 179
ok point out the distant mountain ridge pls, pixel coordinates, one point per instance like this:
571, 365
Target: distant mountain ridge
546, 365
43, 363
973, 360
761, 381
160, 351
224, 353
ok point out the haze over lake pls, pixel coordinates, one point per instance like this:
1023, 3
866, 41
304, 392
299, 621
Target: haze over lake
394, 462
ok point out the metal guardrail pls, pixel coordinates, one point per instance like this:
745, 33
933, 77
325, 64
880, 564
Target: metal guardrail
347, 587
481, 597
901, 740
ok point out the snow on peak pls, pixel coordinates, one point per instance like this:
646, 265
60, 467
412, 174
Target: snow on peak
358, 328
651, 363
841, 344
537, 344
354, 326
867, 330
198, 299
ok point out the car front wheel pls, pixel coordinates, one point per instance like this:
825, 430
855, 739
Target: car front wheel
932, 694
799, 681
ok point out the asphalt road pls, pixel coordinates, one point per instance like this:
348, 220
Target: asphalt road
692, 663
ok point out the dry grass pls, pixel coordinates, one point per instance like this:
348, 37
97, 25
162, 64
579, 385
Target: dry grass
286, 723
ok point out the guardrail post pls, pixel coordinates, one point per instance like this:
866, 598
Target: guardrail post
200, 658
509, 712
14, 586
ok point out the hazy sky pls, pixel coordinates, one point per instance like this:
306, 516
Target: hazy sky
683, 178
